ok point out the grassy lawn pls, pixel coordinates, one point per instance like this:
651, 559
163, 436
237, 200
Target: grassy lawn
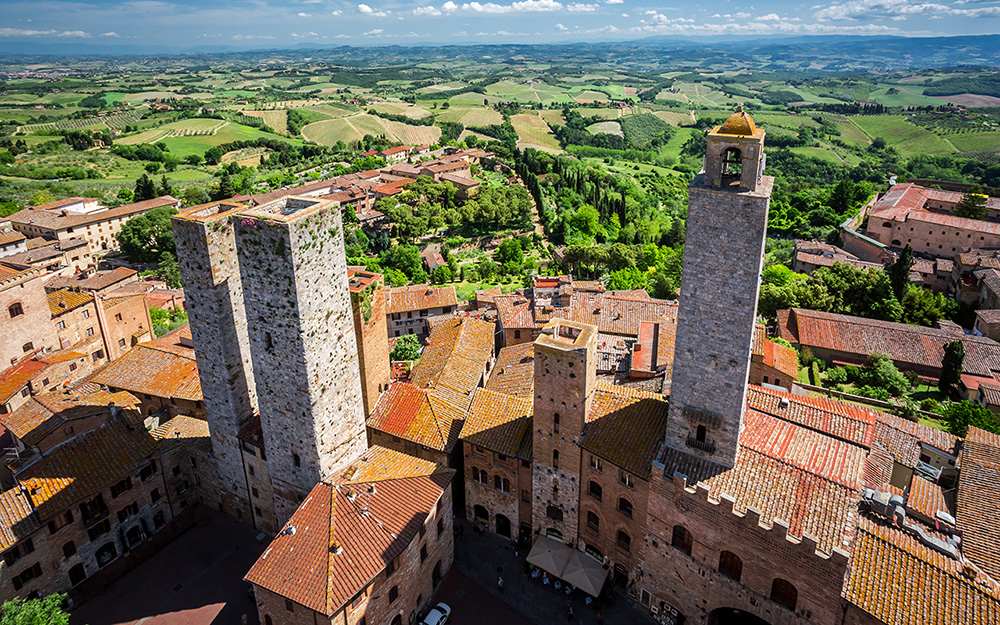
467, 290
908, 138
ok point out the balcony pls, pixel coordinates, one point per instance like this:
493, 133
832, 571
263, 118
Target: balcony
706, 446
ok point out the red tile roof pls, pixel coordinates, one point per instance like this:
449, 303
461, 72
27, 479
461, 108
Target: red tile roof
500, 423
420, 297
158, 368
43, 414
625, 427
100, 280
50, 216
833, 418
514, 371
15, 378
345, 533
17, 517
409, 413
455, 358
978, 494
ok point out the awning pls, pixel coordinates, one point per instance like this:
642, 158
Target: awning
568, 564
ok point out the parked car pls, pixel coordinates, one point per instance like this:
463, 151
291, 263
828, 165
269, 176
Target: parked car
438, 615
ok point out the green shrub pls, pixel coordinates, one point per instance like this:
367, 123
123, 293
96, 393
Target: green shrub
930, 405
874, 392
814, 378
837, 375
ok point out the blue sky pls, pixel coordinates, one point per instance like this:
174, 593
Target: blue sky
257, 23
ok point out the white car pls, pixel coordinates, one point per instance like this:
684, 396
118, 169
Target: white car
438, 615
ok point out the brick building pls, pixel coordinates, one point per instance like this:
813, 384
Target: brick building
772, 363
370, 333
24, 310
61, 258
41, 373
104, 327
368, 546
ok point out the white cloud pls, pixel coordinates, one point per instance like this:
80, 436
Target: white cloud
427, 10
866, 10
690, 27
614, 1
561, 28
243, 37
449, 7
367, 10
21, 32
309, 34
524, 6
304, 14
109, 34
625, 14
337, 12
579, 7
373, 32
770, 17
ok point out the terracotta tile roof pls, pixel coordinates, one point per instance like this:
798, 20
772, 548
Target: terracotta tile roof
345, 535
14, 378
17, 518
902, 438
98, 281
989, 316
184, 431
65, 300
252, 432
515, 310
455, 358
43, 414
833, 418
500, 423
620, 314
654, 351
419, 297
487, 295
897, 580
11, 236
49, 215
514, 371
84, 466
926, 498
978, 494
409, 413
153, 371
625, 427
903, 343
807, 479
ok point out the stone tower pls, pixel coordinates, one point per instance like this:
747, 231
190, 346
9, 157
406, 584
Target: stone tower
305, 357
368, 305
565, 379
214, 299
723, 258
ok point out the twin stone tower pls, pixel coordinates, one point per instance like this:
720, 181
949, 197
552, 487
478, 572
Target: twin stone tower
271, 318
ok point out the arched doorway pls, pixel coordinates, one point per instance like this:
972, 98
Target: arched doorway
732, 616
480, 513
732, 162
77, 574
503, 526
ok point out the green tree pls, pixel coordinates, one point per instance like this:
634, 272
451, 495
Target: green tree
441, 275
510, 251
899, 272
146, 237
145, 188
407, 348
972, 205
951, 367
779, 275
880, 372
395, 277
843, 196
165, 188
405, 258
126, 195
225, 189
627, 279
44, 611
41, 197
194, 196
487, 270
958, 416
169, 271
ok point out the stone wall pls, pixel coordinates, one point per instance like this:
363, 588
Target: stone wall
692, 583
125, 322
305, 357
372, 337
721, 276
34, 326
214, 293
259, 484
621, 555
494, 500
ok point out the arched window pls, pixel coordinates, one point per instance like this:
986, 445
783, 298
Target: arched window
268, 620
15, 310
624, 541
554, 513
505, 485
555, 423
69, 549
701, 431
886, 224
77, 574
682, 539
732, 162
594, 490
625, 507
593, 521
784, 592
730, 565
393, 593
555, 458
497, 482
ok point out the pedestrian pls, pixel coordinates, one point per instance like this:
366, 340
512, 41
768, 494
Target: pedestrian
500, 584
569, 614
600, 618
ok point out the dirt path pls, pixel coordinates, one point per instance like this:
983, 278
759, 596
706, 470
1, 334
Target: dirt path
945, 139
694, 120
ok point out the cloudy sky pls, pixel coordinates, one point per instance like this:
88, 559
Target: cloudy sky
259, 23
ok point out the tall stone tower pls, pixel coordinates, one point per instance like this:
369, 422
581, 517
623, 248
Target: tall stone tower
301, 329
723, 258
214, 300
565, 379
368, 305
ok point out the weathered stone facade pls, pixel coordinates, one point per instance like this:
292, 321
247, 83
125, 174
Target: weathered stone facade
682, 569
214, 291
727, 220
497, 490
305, 357
565, 379
371, 334
24, 310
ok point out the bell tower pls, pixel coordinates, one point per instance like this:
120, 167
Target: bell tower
723, 258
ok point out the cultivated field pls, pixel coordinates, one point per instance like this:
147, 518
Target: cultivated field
534, 133
355, 127
276, 120
607, 128
909, 139
401, 108
471, 116
186, 128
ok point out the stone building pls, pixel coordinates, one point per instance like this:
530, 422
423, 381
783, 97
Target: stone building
61, 258
772, 363
417, 422
410, 307
206, 247
302, 342
24, 310
370, 333
41, 373
102, 326
370, 545
727, 220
